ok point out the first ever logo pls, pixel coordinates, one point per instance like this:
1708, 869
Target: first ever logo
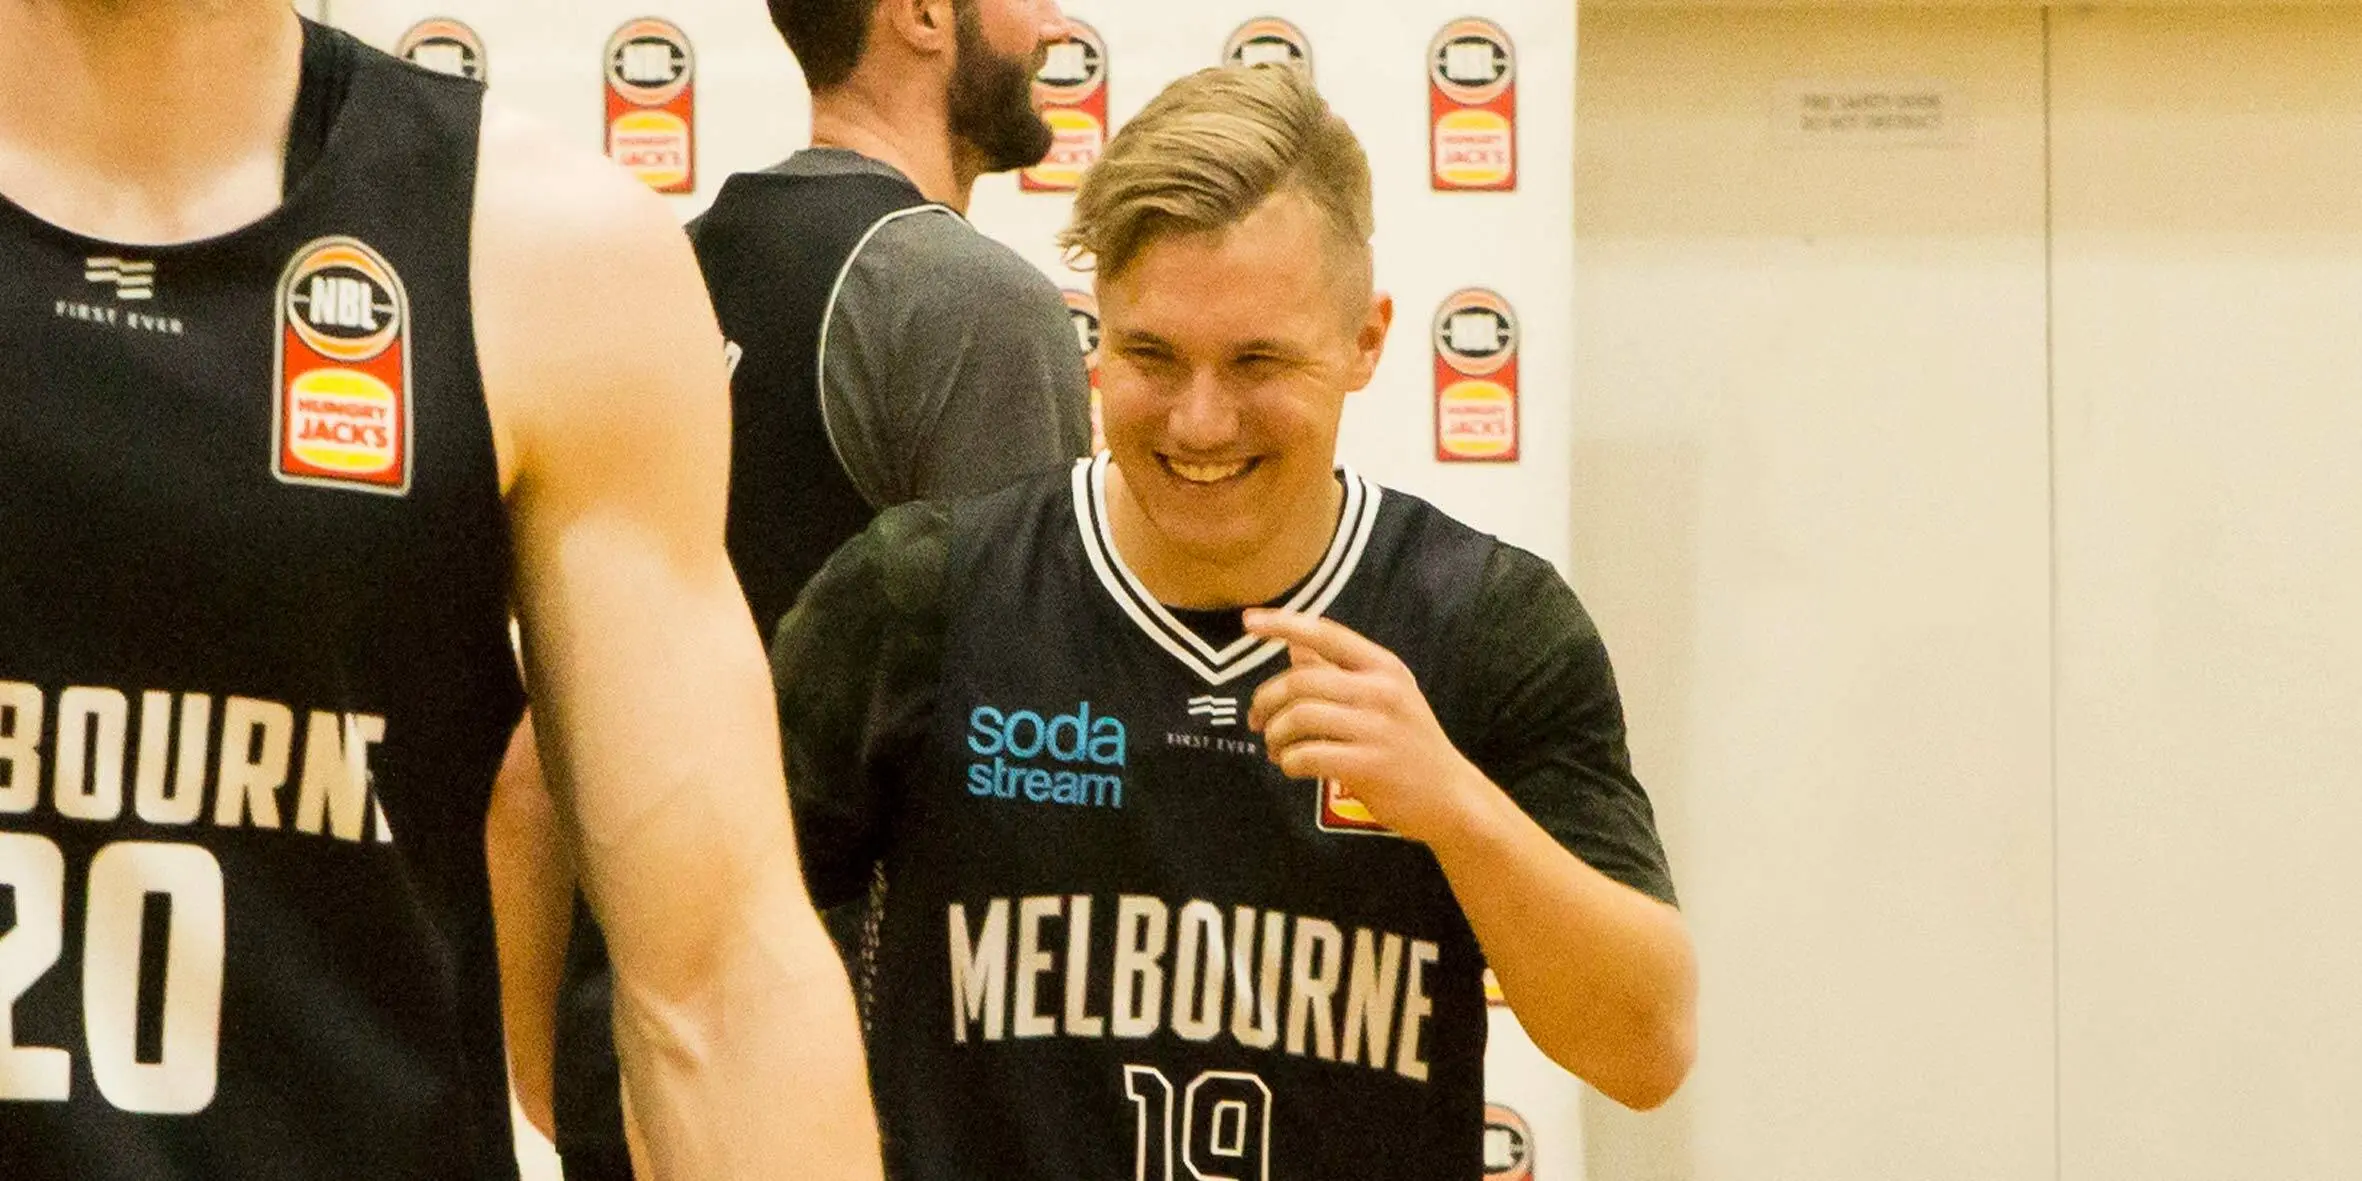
341, 413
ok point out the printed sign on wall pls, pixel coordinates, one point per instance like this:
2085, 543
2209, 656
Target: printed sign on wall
1508, 1145
1472, 107
1073, 89
1475, 379
1267, 40
1083, 308
445, 46
652, 104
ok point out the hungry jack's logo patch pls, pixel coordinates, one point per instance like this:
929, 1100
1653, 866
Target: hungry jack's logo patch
1472, 107
1072, 86
341, 412
1342, 811
652, 104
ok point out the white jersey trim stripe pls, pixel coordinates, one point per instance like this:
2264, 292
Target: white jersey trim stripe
828, 317
1217, 666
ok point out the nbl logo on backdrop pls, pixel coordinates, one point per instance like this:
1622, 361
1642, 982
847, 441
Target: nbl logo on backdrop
1476, 411
1473, 107
1508, 1145
1268, 41
652, 104
1072, 89
444, 46
341, 413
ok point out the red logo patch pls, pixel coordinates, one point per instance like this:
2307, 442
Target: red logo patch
341, 411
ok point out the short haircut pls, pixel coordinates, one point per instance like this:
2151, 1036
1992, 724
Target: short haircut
828, 37
1208, 152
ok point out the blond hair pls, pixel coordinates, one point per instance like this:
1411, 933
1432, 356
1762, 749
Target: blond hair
1208, 152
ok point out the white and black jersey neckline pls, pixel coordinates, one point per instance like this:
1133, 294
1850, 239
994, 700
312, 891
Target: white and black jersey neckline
1218, 666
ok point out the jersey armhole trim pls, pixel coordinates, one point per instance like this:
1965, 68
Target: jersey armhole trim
828, 319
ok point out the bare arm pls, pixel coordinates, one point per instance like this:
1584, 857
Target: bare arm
658, 740
1601, 975
532, 911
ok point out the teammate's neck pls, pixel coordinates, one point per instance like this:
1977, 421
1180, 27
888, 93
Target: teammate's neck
147, 121
1178, 578
915, 141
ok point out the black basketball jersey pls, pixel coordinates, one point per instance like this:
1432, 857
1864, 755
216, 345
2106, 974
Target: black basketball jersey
1113, 940
255, 677
774, 249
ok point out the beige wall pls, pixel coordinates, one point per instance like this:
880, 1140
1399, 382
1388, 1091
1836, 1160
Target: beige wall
1865, 485
1812, 516
2209, 323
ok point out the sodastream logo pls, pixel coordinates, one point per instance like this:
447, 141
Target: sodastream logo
1072, 758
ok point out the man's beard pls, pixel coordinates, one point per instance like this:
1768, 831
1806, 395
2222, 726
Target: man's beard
992, 101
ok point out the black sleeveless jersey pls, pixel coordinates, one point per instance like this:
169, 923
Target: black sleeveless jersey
1113, 940
774, 248
255, 677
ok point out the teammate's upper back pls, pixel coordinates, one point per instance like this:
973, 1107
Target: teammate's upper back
254, 673
884, 351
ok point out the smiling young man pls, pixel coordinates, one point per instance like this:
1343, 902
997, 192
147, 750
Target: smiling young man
1122, 936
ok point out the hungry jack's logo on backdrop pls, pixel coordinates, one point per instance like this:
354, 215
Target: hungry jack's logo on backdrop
1072, 85
445, 46
341, 412
1268, 39
1476, 411
652, 104
1472, 107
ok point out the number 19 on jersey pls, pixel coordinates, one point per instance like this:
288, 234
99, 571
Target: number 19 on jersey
1224, 1132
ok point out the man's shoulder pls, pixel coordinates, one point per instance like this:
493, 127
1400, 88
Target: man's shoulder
1474, 591
936, 256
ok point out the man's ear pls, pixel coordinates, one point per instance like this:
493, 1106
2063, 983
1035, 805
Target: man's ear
928, 27
1369, 341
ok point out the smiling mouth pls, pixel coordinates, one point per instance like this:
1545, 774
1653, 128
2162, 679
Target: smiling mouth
1207, 474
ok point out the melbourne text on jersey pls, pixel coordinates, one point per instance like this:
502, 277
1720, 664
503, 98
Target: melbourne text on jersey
1068, 758
1263, 979
91, 753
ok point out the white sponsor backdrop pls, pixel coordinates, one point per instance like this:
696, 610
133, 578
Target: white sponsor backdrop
545, 57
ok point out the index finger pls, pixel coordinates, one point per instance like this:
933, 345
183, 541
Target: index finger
1317, 636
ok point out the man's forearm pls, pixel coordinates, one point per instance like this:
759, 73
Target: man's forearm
532, 876
1600, 975
768, 1014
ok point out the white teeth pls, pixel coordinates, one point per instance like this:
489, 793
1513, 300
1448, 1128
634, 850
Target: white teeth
1205, 473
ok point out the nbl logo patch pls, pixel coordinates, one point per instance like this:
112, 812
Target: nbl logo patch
340, 417
1269, 41
445, 46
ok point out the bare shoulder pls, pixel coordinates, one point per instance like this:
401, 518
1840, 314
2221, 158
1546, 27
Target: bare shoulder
588, 305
